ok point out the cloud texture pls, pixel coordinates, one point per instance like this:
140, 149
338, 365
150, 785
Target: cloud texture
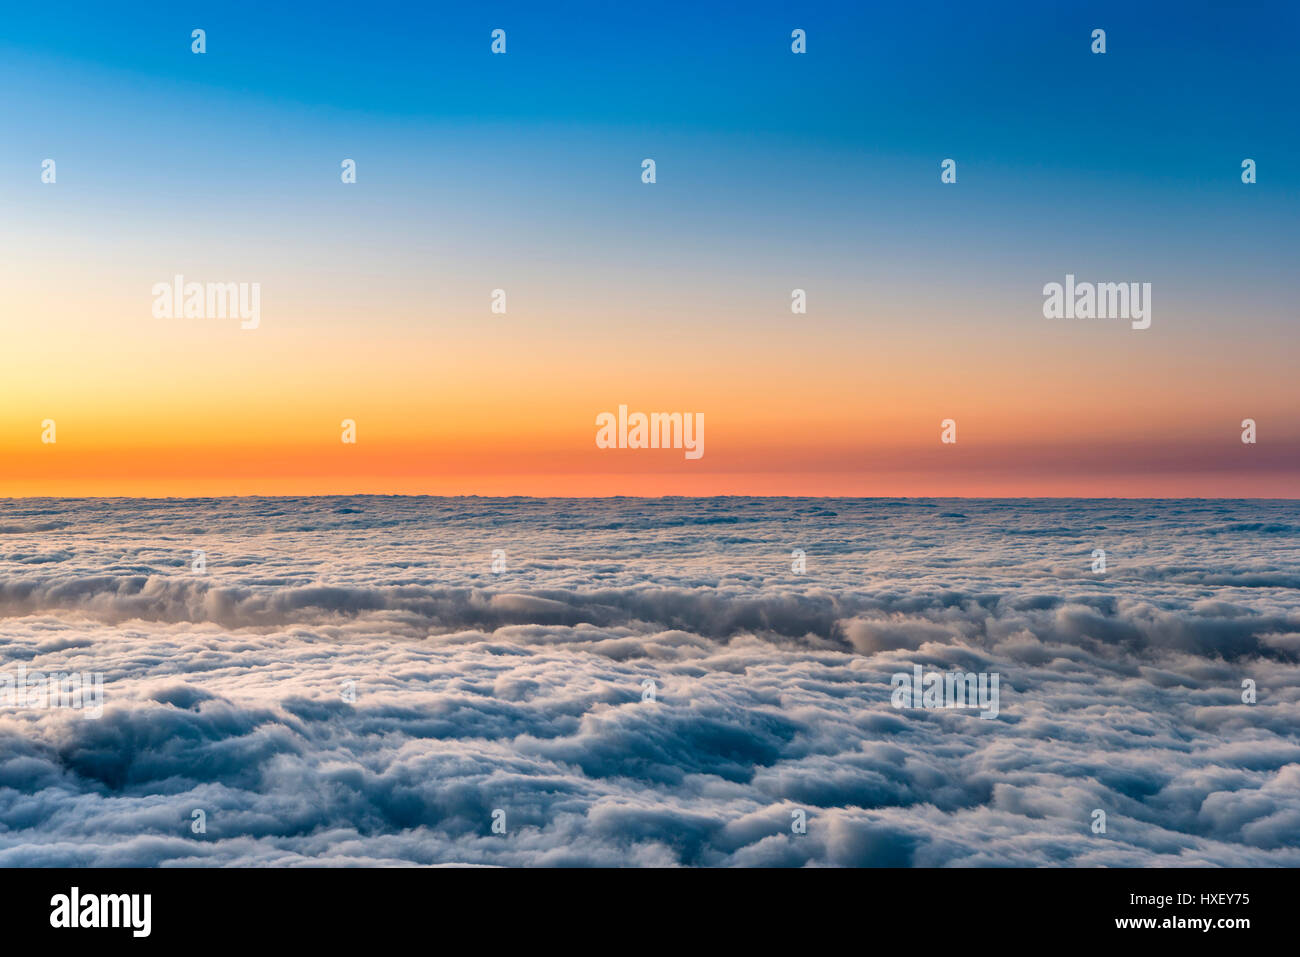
523, 691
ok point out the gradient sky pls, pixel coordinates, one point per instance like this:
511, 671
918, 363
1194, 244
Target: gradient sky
775, 171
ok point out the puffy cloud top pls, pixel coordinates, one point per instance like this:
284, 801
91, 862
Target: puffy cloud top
526, 691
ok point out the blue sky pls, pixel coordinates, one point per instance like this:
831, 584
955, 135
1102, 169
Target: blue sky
775, 171
1157, 126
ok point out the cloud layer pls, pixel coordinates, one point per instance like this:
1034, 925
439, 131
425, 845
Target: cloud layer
523, 691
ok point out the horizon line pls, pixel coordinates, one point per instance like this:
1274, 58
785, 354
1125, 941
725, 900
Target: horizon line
577, 498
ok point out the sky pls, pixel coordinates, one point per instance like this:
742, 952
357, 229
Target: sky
774, 171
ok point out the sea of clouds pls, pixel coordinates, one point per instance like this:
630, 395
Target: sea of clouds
523, 691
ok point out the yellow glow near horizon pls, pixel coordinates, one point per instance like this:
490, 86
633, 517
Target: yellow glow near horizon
485, 404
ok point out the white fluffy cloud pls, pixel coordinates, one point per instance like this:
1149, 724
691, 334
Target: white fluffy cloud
523, 691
